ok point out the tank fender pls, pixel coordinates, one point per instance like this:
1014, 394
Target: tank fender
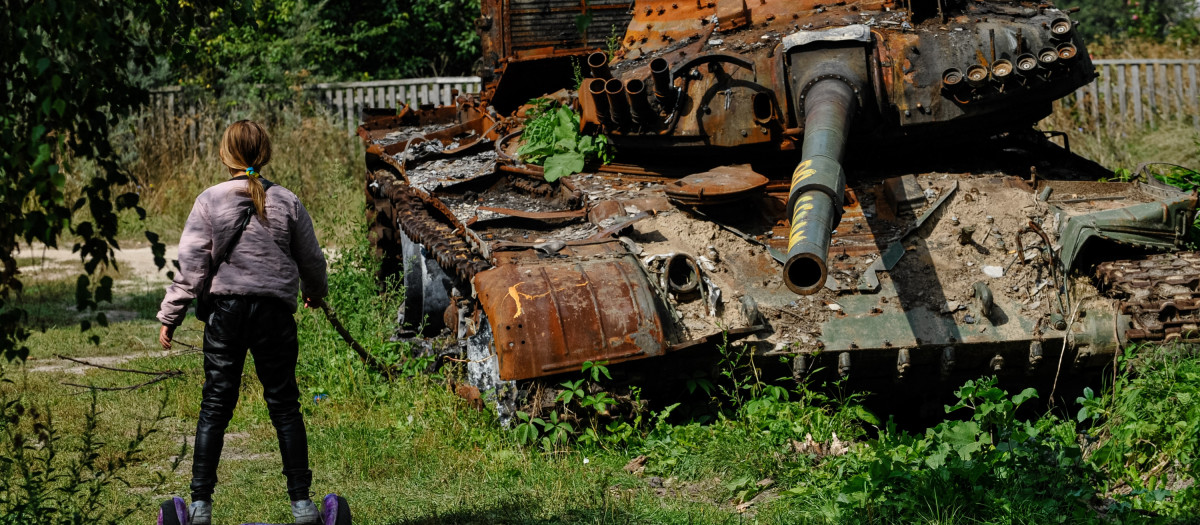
551, 315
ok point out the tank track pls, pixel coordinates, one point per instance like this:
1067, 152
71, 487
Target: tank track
1160, 293
411, 214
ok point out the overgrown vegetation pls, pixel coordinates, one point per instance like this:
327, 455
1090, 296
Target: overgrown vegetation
552, 140
313, 158
410, 451
50, 478
1142, 436
261, 49
990, 465
801, 456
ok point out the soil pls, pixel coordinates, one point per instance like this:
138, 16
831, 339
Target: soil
997, 213
134, 272
132, 264
64, 366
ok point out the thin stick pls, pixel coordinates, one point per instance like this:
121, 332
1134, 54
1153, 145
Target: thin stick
1066, 337
793, 314
193, 348
365, 356
1117, 339
468, 361
166, 375
115, 369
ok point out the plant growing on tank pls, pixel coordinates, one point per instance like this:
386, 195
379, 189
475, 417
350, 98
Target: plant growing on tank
575, 403
552, 140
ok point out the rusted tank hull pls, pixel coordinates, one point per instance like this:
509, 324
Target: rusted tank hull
950, 239
580, 271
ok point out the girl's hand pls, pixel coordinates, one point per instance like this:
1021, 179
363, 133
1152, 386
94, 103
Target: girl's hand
165, 334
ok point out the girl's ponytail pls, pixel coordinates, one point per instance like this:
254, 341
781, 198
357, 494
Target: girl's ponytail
258, 195
245, 147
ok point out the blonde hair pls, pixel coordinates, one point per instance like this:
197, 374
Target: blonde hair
246, 145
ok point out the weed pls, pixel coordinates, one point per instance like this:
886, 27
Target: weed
552, 140
1144, 434
587, 403
613, 43
986, 464
577, 73
1186, 179
43, 482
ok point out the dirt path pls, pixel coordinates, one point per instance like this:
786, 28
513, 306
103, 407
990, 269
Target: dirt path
134, 273
71, 367
132, 264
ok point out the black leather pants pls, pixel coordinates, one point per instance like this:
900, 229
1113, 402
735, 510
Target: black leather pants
266, 327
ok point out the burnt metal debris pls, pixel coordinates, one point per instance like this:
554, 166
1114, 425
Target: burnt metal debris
779, 185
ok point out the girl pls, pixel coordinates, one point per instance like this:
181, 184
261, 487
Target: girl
245, 248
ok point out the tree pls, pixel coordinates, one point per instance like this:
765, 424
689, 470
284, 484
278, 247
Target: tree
288, 42
1152, 19
71, 68
422, 37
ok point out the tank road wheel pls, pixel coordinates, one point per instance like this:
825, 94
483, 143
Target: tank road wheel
426, 288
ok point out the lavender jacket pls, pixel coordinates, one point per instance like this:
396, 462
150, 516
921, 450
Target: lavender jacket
270, 260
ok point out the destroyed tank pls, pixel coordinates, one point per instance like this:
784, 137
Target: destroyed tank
851, 188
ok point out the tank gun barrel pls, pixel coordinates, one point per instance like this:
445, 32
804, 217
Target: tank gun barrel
818, 183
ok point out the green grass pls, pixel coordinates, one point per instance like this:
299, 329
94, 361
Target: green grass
410, 451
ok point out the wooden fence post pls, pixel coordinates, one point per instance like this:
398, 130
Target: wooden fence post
1136, 82
1192, 96
1121, 91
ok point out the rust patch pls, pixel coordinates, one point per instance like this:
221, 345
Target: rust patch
719, 185
552, 315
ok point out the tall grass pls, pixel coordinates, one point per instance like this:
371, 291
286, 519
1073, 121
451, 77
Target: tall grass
1118, 141
175, 158
1121, 143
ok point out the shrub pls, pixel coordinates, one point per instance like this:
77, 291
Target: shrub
43, 481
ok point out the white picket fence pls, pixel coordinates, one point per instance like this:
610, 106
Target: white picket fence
345, 100
1143, 91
